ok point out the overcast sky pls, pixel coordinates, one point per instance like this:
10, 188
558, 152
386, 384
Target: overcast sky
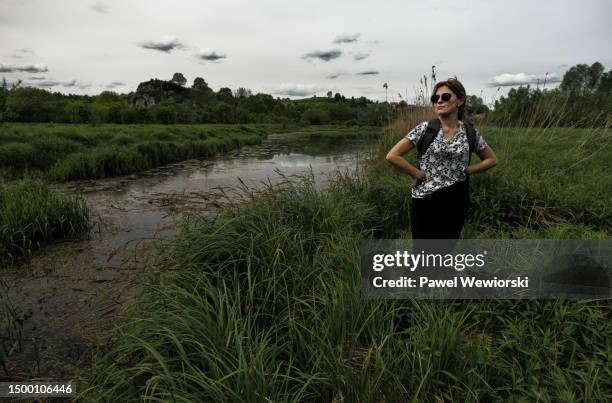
300, 48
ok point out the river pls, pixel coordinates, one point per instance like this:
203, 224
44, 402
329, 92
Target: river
70, 293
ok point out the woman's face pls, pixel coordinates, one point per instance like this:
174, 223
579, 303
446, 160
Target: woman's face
446, 107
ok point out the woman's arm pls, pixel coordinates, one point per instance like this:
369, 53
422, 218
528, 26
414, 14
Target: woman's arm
489, 160
395, 158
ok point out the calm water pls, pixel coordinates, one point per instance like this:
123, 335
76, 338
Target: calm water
70, 292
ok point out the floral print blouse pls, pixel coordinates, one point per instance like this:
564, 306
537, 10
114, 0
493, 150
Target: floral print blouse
444, 161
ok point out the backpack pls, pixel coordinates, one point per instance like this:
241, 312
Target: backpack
433, 127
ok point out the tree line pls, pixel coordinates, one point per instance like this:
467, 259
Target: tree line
171, 101
581, 100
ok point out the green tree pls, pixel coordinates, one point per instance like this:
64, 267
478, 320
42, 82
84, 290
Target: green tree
199, 84
475, 105
225, 95
315, 116
78, 111
29, 104
164, 114
179, 78
223, 112
243, 93
582, 79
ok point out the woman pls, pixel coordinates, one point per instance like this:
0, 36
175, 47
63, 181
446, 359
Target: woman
440, 196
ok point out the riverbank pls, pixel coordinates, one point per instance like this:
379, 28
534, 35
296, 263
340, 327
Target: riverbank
65, 152
31, 215
70, 293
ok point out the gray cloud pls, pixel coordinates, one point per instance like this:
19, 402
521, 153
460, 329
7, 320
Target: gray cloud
21, 53
56, 83
115, 84
367, 73
334, 75
360, 56
347, 38
36, 78
298, 90
210, 55
166, 44
29, 68
99, 7
508, 79
326, 55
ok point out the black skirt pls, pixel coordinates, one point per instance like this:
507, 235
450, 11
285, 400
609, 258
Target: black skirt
440, 215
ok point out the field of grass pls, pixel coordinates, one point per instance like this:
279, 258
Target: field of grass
31, 214
62, 152
262, 302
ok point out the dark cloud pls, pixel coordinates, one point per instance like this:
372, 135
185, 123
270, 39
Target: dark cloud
115, 84
36, 78
21, 53
166, 44
210, 55
297, 90
28, 68
334, 76
367, 73
326, 55
360, 56
100, 7
56, 83
508, 79
347, 38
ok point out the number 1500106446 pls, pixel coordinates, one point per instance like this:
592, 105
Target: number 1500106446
37, 389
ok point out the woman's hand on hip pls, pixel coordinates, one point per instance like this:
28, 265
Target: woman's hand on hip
420, 177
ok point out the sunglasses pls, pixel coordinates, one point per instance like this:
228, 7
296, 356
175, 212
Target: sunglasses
445, 97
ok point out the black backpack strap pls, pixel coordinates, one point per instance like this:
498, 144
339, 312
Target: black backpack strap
433, 127
471, 136
472, 144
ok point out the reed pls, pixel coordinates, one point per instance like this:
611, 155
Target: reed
32, 215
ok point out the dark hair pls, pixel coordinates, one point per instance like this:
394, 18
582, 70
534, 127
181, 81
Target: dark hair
458, 89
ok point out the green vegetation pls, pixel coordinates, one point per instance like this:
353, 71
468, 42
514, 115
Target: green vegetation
582, 99
171, 102
31, 214
65, 152
263, 300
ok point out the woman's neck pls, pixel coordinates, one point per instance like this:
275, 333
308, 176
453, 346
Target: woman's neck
449, 121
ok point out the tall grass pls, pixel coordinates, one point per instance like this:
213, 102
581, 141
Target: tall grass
62, 152
31, 215
262, 301
65, 152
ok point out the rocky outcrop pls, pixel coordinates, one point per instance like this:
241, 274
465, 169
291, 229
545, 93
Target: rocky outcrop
154, 91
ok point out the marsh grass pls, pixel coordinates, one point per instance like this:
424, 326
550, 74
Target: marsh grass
261, 302
31, 215
64, 152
